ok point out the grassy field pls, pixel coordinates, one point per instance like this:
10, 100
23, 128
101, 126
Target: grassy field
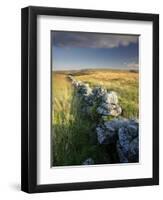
73, 138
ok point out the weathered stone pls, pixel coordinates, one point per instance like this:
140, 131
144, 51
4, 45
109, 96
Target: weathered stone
133, 129
101, 135
115, 123
109, 105
98, 92
122, 157
88, 161
109, 109
124, 140
133, 154
84, 89
128, 146
110, 98
106, 134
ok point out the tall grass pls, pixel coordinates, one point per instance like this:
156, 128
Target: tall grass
73, 136
71, 131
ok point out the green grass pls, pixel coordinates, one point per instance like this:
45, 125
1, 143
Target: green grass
71, 131
73, 135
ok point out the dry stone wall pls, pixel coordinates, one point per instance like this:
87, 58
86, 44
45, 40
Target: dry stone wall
121, 132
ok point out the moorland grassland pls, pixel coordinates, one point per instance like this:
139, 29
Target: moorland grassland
73, 138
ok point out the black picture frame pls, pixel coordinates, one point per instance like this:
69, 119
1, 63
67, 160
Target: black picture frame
29, 99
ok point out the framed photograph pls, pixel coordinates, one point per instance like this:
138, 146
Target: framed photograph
90, 99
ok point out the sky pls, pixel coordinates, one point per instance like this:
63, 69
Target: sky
81, 50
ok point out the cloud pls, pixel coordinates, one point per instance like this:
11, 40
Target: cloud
91, 40
133, 65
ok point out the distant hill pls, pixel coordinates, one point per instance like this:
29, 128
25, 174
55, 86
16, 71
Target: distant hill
89, 71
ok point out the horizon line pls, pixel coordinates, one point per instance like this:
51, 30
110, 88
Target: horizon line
136, 69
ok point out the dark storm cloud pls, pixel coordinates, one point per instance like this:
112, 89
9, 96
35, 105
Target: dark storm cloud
91, 40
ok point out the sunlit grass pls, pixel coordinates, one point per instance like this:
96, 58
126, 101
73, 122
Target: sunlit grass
73, 135
70, 129
125, 83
